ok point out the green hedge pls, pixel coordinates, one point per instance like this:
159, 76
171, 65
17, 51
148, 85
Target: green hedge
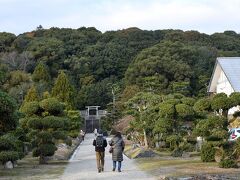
208, 152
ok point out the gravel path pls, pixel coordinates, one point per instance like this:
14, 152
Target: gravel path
82, 165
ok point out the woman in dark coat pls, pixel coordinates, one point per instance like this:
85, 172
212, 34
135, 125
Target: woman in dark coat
118, 145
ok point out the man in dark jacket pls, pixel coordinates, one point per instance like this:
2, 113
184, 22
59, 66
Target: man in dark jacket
100, 143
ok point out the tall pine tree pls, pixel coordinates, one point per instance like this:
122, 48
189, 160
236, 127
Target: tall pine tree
41, 73
31, 96
63, 90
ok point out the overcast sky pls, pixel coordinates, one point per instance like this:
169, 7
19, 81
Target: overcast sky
207, 16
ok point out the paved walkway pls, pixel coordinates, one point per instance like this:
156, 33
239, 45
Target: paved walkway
82, 166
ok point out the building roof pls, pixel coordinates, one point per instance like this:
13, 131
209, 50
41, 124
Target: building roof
231, 68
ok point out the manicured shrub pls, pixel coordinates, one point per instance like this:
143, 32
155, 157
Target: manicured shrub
35, 123
52, 105
8, 156
228, 163
68, 141
59, 135
73, 133
184, 110
174, 141
207, 152
30, 108
6, 144
188, 147
237, 148
46, 127
177, 152
10, 143
53, 122
191, 140
44, 150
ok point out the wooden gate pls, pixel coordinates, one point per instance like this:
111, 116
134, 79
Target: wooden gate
91, 124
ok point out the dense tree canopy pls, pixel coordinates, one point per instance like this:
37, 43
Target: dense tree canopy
162, 61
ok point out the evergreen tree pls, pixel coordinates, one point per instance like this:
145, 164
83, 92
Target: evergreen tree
9, 145
41, 73
46, 95
46, 127
63, 90
31, 96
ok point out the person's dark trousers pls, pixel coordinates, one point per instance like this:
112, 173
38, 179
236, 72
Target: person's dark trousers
100, 161
119, 165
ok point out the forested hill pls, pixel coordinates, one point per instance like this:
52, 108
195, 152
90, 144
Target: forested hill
126, 61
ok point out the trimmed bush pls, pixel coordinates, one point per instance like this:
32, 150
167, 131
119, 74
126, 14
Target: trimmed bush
73, 133
68, 141
54, 122
188, 147
177, 152
184, 110
207, 152
52, 105
44, 150
30, 108
6, 156
9, 142
228, 163
59, 135
6, 144
173, 140
35, 123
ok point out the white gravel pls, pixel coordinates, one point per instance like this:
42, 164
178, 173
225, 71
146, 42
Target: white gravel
83, 166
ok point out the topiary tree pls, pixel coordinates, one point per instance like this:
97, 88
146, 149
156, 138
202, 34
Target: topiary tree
221, 103
212, 128
47, 130
234, 99
178, 109
203, 105
51, 106
46, 123
63, 90
139, 106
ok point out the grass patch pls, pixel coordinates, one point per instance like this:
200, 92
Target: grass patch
150, 164
180, 167
28, 168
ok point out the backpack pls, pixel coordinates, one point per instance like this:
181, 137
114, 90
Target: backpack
99, 141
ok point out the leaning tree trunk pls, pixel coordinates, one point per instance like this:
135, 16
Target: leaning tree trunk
145, 139
42, 160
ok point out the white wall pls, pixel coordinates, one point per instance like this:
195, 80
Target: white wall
223, 85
